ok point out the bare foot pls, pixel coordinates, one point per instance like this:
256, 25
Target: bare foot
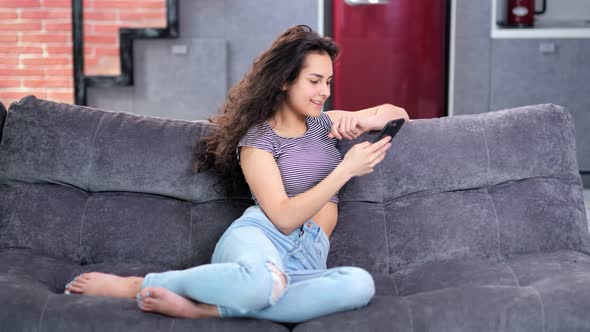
164, 301
103, 284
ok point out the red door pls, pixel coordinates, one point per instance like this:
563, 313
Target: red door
393, 53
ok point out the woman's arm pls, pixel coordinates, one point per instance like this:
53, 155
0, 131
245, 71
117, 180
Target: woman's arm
381, 115
374, 118
287, 214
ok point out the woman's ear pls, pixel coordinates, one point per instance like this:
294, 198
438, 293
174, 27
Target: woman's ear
284, 87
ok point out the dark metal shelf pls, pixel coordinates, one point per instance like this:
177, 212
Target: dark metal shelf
126, 37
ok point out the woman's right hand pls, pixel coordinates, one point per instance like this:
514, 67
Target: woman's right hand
363, 157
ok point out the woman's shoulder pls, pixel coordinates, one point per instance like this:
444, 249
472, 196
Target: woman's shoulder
258, 130
323, 121
258, 136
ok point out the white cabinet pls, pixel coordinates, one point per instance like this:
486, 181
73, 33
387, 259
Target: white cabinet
563, 19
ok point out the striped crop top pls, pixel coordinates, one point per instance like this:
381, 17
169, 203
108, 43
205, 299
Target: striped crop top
303, 161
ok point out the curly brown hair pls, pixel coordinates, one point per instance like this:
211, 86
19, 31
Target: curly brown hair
255, 99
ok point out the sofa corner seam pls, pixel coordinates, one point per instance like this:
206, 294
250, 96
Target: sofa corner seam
485, 140
190, 233
82, 225
499, 251
543, 319
513, 274
91, 156
410, 316
43, 312
382, 205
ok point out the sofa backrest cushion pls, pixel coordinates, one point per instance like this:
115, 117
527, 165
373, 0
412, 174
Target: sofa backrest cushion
96, 150
480, 186
98, 186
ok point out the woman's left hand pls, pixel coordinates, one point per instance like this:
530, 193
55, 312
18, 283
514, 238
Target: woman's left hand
348, 126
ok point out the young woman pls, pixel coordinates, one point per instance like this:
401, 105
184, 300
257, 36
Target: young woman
271, 262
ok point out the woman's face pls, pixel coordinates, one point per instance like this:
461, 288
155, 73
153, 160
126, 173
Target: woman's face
307, 94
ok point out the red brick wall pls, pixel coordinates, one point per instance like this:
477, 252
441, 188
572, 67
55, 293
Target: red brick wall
36, 43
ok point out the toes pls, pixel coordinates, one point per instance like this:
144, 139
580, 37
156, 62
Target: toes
75, 288
73, 279
158, 292
67, 288
145, 305
77, 283
149, 302
145, 299
78, 278
140, 305
146, 292
70, 289
88, 276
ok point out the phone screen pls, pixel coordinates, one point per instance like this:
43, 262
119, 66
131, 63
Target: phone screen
390, 129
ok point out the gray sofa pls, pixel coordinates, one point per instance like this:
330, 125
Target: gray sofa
471, 223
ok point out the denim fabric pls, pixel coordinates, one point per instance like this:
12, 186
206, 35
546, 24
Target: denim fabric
305, 248
240, 281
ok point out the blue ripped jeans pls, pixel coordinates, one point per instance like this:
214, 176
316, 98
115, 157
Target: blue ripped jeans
244, 277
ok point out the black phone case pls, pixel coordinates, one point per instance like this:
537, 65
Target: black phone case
391, 128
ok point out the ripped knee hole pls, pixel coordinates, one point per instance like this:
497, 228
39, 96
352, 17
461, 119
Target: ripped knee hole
279, 281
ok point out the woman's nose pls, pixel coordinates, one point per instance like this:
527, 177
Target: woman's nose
325, 91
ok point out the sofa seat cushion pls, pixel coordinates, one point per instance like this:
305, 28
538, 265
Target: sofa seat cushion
92, 313
539, 268
469, 308
28, 306
54, 273
532, 292
517, 271
22, 301
31, 293
555, 304
48, 273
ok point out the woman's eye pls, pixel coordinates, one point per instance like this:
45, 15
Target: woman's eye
329, 83
314, 82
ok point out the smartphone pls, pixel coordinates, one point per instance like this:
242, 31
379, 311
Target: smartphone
391, 128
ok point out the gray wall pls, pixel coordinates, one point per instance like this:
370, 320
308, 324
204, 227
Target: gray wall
222, 38
492, 74
472, 57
